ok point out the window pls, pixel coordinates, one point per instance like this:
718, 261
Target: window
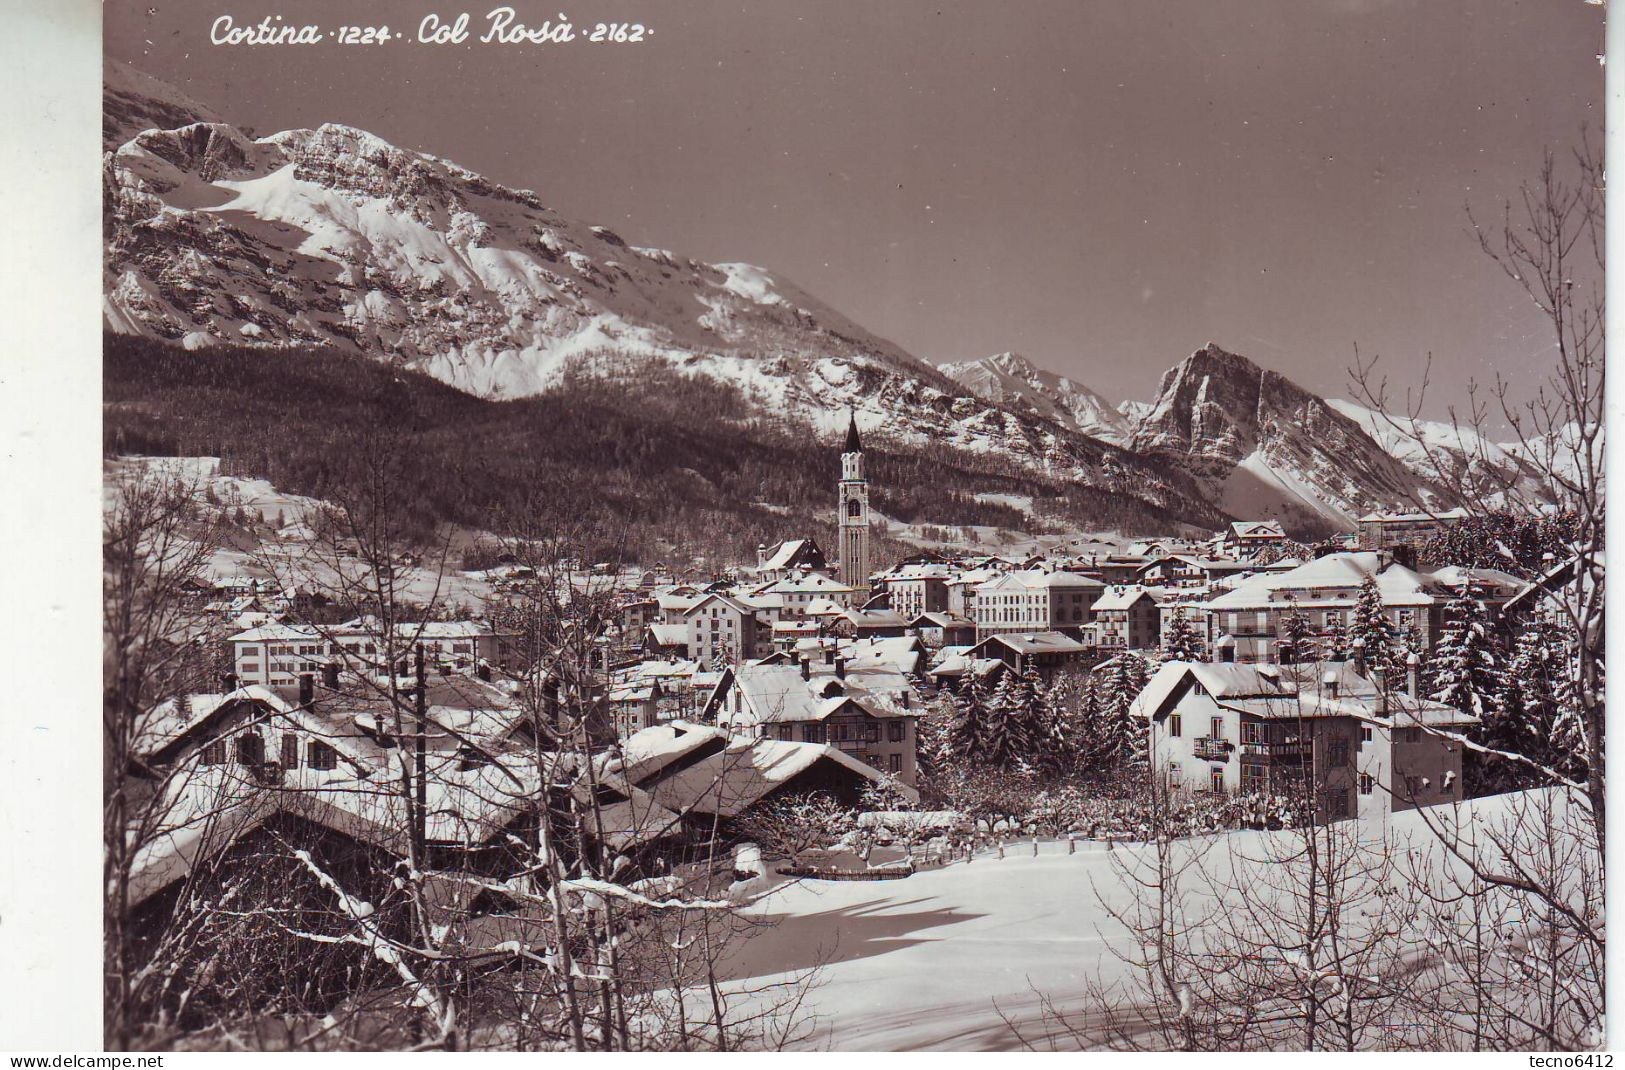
1252, 732
894, 731
1216, 779
812, 733
894, 763
786, 732
251, 666
1173, 770
1365, 733
1253, 779
1367, 784
1216, 728
290, 751
250, 749
323, 756
1175, 724
248, 651
853, 508
1337, 751
214, 753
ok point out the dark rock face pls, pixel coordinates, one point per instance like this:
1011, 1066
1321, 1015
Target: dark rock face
1218, 410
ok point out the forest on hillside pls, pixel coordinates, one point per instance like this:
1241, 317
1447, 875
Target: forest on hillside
658, 463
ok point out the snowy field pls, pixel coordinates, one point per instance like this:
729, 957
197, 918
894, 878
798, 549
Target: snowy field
940, 960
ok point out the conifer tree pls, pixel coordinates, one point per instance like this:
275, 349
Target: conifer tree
1123, 741
1535, 714
1466, 670
1369, 630
967, 729
1181, 642
1293, 643
1005, 741
1335, 644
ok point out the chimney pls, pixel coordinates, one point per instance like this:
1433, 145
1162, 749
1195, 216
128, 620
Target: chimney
1357, 648
1224, 651
307, 689
330, 676
806, 667
1413, 675
483, 670
829, 655
229, 680
761, 556
840, 668
445, 668
1328, 683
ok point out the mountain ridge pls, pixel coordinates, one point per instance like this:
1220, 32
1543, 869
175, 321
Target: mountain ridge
333, 237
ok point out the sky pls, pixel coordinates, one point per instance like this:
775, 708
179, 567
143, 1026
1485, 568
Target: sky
1101, 185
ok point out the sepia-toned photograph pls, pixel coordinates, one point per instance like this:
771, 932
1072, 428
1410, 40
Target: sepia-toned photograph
842, 526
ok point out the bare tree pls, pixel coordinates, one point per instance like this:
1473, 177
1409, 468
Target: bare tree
156, 544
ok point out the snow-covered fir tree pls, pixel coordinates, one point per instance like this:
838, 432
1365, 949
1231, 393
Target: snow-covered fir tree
967, 727
1180, 641
1123, 739
1294, 642
1535, 714
1370, 633
1012, 735
1334, 644
1465, 670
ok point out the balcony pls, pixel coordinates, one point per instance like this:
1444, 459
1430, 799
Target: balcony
1295, 749
1213, 750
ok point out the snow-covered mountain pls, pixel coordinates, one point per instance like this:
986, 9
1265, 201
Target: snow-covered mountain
334, 237
1442, 451
1267, 447
1012, 380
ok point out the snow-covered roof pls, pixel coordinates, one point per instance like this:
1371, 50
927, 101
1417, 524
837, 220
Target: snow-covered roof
729, 781
1411, 518
776, 693
784, 555
1038, 579
1036, 642
875, 618
669, 634
1330, 689
941, 619
1257, 529
807, 583
1122, 597
1337, 577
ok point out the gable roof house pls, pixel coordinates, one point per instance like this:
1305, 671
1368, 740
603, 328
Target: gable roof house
1247, 537
1325, 590
1042, 652
788, 559
222, 766
704, 773
864, 708
1320, 733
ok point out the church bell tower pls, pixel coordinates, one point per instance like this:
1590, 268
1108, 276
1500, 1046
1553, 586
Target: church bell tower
854, 511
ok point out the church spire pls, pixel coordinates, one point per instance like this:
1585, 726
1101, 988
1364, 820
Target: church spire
852, 443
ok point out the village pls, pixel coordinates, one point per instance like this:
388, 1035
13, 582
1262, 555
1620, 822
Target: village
807, 717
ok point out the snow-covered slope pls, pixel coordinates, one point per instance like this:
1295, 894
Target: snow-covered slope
1269, 448
334, 237
1012, 380
1442, 451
